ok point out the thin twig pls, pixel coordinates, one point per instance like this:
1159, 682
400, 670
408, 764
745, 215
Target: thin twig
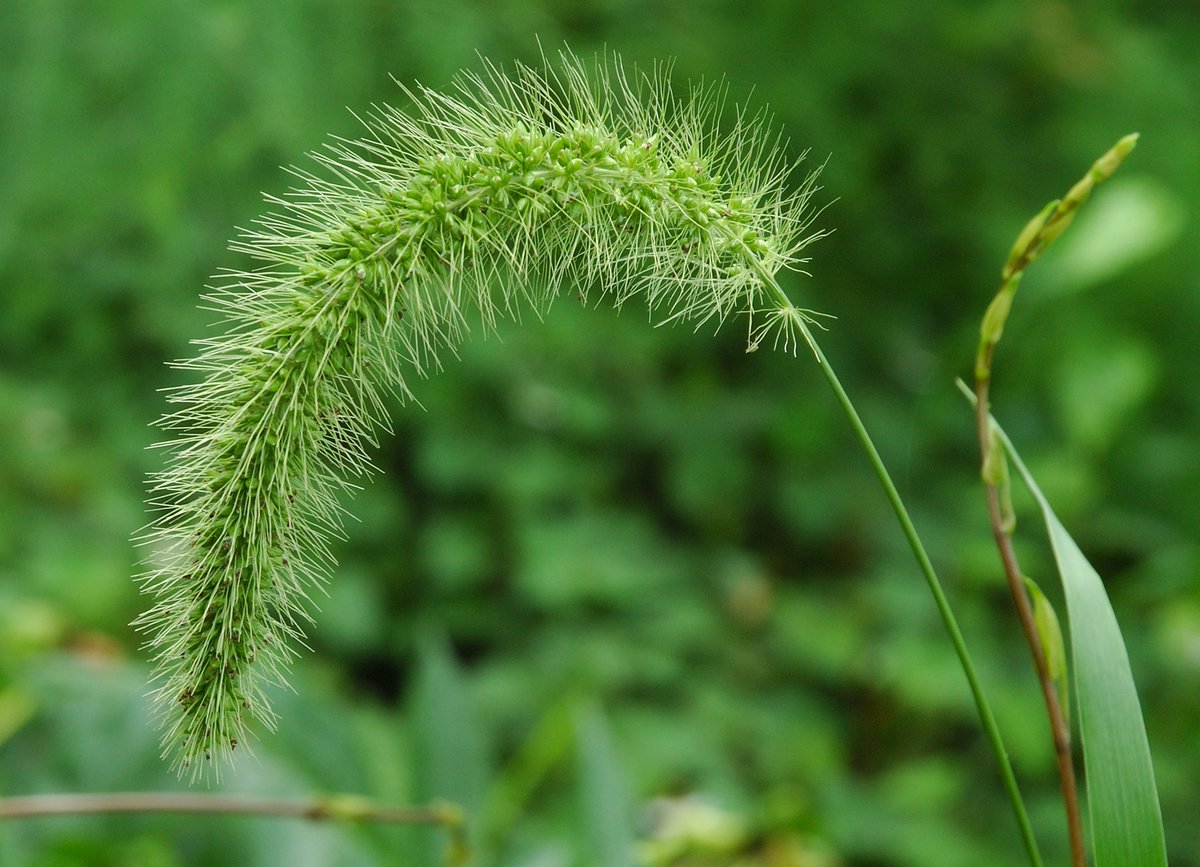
328, 808
334, 808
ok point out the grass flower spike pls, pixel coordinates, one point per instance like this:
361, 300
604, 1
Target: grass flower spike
473, 204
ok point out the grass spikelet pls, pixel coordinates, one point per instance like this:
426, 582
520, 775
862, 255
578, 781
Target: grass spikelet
474, 203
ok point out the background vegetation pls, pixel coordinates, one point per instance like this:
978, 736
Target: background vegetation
617, 577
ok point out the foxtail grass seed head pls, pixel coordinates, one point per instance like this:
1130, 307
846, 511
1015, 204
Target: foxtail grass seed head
471, 204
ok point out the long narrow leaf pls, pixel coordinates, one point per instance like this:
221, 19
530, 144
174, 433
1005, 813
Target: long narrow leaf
1126, 820
449, 748
607, 811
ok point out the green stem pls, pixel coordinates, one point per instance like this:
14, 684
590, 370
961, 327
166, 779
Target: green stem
939, 597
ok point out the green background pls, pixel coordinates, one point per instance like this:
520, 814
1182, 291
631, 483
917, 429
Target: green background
615, 577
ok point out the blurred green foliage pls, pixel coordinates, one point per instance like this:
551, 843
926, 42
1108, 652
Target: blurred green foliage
620, 584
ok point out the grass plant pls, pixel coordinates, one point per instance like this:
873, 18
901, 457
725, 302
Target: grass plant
486, 201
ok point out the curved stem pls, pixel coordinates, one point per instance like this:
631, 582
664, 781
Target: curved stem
986, 717
982, 707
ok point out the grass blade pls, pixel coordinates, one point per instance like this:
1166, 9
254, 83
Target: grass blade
607, 811
450, 755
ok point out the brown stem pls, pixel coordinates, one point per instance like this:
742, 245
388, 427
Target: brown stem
1059, 728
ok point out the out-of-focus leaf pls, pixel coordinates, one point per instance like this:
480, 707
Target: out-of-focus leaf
1104, 380
450, 758
16, 708
1133, 220
607, 814
544, 749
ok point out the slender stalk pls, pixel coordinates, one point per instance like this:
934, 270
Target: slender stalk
797, 320
1037, 236
986, 717
1059, 728
329, 808
335, 808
